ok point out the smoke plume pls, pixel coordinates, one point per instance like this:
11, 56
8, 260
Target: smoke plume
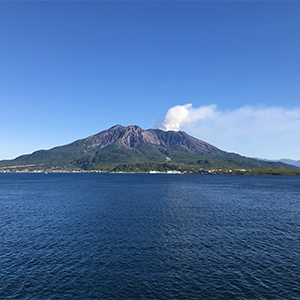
258, 131
181, 115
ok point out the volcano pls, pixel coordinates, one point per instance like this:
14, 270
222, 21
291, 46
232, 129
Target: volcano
133, 145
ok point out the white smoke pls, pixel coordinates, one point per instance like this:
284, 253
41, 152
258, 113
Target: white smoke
181, 115
271, 132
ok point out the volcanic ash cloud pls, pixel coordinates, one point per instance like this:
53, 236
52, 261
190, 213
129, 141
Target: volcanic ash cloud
186, 114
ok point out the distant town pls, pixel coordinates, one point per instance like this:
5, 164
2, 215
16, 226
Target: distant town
30, 169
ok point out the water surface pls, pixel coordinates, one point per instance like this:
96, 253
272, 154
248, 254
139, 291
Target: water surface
149, 236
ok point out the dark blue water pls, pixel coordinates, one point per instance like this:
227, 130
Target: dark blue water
132, 236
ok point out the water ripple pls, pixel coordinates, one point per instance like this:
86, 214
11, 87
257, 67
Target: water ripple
104, 236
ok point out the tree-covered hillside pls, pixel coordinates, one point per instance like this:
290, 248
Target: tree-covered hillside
121, 146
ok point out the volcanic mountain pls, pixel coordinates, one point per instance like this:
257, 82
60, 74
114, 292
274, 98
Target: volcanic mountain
133, 145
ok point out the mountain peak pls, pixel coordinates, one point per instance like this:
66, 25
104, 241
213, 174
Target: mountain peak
133, 135
118, 126
132, 144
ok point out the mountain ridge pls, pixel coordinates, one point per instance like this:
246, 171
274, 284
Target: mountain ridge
288, 161
134, 145
132, 135
293, 162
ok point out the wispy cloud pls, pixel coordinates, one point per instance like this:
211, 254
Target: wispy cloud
271, 132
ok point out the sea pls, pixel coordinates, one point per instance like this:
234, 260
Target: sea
149, 236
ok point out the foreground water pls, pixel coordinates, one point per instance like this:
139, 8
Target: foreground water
134, 236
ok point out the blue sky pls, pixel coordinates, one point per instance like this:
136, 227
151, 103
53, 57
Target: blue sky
70, 69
